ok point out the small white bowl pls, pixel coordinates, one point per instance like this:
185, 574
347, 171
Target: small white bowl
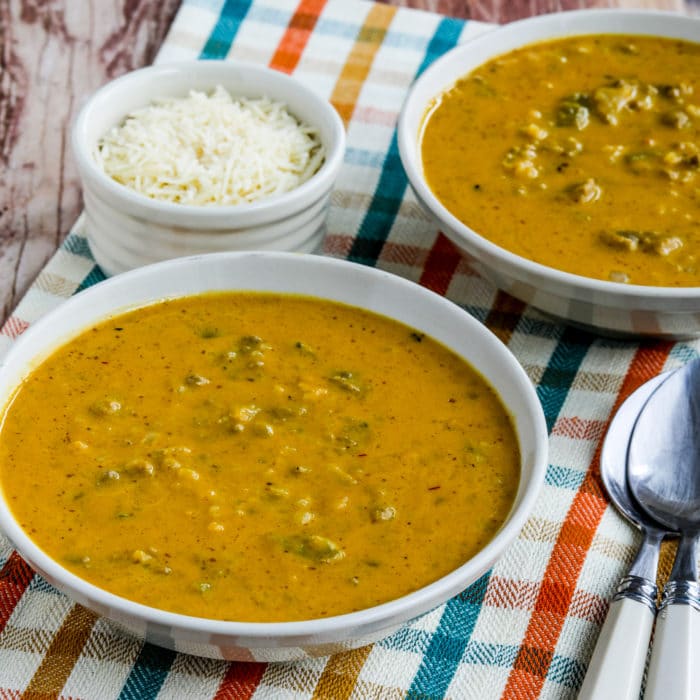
126, 229
600, 306
310, 275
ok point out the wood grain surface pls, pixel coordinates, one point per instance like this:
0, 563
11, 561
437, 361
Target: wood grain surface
500, 11
54, 53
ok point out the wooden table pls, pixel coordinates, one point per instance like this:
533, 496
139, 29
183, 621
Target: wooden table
52, 55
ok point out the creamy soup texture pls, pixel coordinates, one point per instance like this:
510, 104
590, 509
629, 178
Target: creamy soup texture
257, 457
582, 154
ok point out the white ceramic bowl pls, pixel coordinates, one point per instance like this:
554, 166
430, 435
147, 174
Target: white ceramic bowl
126, 229
596, 305
321, 277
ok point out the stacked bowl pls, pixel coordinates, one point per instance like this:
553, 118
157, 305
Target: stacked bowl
126, 229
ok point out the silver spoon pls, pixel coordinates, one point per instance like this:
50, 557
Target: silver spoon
664, 476
617, 665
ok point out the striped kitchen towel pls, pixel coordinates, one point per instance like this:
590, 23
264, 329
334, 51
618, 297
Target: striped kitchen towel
526, 629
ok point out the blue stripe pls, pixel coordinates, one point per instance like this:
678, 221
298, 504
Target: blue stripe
333, 27
480, 313
327, 26
211, 5
93, 277
407, 639
363, 157
347, 29
271, 15
564, 477
501, 655
684, 353
561, 371
148, 673
445, 38
38, 583
77, 245
390, 190
563, 670
447, 645
219, 42
566, 672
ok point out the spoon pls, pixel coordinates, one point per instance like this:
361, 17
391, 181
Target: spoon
617, 665
664, 476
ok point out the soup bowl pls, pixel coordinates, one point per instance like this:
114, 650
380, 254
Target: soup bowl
606, 307
323, 278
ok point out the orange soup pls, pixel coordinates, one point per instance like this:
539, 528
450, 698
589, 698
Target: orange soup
582, 154
257, 457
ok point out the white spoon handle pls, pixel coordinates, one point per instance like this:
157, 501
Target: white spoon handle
674, 668
616, 668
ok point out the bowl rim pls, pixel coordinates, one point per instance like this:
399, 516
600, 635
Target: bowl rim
552, 26
234, 214
261, 634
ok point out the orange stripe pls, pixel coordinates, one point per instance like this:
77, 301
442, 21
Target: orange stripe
510, 594
340, 674
63, 652
241, 680
296, 37
440, 266
588, 606
558, 590
577, 428
357, 66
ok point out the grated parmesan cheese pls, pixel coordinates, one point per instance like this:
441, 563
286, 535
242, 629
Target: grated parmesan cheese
211, 149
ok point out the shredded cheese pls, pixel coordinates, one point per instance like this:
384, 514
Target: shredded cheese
211, 149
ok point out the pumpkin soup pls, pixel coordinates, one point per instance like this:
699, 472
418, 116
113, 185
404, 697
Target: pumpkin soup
581, 154
257, 457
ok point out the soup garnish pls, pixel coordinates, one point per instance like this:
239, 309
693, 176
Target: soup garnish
211, 149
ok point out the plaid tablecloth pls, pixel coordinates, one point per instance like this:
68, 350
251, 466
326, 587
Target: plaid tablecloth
527, 628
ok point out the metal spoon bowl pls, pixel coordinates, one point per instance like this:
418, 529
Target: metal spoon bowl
665, 451
617, 664
613, 455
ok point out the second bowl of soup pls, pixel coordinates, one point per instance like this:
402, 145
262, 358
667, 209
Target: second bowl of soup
561, 153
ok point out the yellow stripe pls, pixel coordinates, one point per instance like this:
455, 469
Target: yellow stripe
340, 674
666, 559
63, 652
359, 61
